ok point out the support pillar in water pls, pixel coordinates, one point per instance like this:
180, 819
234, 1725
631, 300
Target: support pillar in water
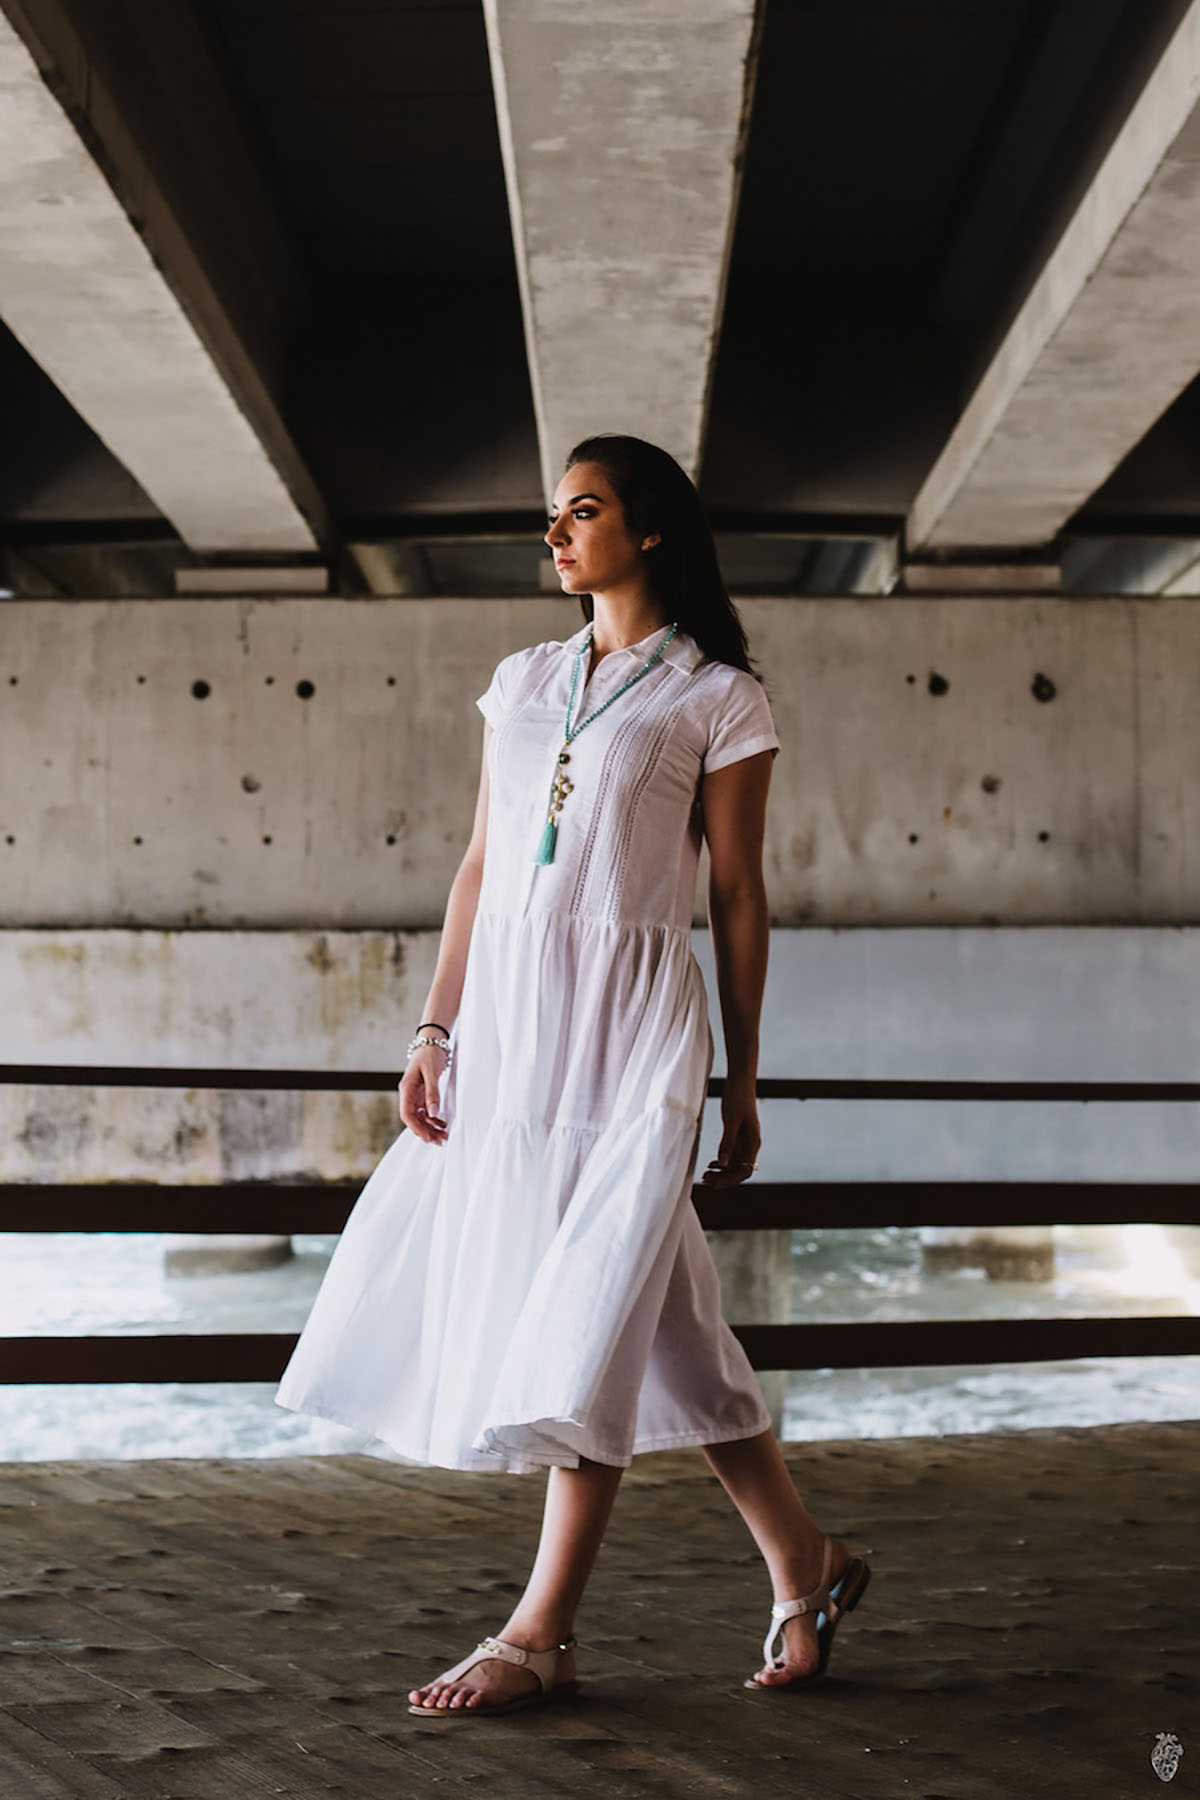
222, 1253
755, 1268
1003, 1252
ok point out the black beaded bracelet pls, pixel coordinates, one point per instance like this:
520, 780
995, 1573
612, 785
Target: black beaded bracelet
435, 1026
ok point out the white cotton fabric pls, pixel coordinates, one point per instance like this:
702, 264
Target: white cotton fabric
539, 1288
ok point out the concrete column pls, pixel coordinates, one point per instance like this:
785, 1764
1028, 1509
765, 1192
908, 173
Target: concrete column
755, 1268
218, 1253
1003, 1252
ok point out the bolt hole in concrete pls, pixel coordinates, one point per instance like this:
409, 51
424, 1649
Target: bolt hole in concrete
200, 690
391, 681
250, 784
913, 838
10, 839
990, 784
12, 680
305, 690
391, 839
1043, 688
137, 840
1043, 837
269, 681
938, 683
141, 681
267, 839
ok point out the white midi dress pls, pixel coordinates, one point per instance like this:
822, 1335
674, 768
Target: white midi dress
538, 1288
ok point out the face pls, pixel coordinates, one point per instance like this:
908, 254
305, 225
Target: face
594, 550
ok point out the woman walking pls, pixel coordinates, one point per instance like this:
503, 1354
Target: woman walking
524, 1282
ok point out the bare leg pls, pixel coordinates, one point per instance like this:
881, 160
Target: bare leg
578, 1504
754, 1475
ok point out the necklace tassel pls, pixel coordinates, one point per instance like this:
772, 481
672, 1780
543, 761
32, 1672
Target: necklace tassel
562, 783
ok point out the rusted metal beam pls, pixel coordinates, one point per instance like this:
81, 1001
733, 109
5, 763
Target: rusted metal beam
317, 1207
921, 1343
768, 1087
935, 1343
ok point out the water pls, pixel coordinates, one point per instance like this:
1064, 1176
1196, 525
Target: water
113, 1283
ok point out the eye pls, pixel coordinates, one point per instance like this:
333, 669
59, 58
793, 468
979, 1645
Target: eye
585, 512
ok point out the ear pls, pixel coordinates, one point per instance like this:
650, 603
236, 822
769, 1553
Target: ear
652, 542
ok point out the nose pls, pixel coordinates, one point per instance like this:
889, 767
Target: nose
556, 535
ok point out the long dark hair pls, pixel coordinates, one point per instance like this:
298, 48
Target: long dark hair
685, 578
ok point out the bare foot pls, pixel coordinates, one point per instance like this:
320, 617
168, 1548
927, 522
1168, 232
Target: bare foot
489, 1682
800, 1653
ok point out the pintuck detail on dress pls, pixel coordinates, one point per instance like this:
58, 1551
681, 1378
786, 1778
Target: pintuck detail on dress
538, 1288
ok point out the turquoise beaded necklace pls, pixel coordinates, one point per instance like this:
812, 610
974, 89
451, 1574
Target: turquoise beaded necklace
562, 784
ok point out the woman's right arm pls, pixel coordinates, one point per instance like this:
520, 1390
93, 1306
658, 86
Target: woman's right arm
419, 1084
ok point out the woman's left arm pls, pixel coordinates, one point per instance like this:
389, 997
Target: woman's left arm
733, 804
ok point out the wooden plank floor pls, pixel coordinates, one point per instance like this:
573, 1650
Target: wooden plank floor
225, 1630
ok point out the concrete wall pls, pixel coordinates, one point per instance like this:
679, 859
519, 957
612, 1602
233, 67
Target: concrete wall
1100, 1003
276, 794
945, 761
221, 999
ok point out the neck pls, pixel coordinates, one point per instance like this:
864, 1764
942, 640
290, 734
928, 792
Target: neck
621, 620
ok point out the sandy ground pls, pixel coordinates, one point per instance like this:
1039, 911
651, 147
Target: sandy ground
183, 1629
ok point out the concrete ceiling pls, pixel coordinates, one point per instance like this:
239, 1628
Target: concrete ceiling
805, 234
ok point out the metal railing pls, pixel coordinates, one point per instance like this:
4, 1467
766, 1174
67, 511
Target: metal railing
285, 1207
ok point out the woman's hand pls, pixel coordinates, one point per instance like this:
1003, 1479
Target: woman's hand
740, 1138
419, 1094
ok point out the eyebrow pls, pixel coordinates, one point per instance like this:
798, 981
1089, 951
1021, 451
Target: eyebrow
579, 497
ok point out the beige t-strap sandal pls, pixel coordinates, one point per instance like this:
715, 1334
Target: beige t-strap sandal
542, 1663
829, 1603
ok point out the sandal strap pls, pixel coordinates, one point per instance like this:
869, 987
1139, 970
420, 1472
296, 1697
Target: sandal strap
542, 1663
819, 1600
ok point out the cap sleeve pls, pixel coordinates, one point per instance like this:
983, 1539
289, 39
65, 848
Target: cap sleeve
741, 725
494, 702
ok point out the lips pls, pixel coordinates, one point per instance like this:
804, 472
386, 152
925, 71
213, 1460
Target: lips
564, 562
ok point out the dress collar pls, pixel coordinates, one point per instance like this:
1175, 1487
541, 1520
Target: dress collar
683, 650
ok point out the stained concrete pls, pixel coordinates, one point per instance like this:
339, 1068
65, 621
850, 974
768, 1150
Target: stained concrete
1101, 1004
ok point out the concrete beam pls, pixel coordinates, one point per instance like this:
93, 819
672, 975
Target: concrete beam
622, 130
123, 316
1107, 337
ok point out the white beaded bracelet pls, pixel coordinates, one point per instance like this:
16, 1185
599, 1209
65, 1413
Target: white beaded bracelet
437, 1043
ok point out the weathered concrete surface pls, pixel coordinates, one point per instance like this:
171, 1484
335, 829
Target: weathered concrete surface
245, 762
217, 999
1097, 1004
622, 130
217, 1627
212, 999
124, 317
945, 761
1107, 337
